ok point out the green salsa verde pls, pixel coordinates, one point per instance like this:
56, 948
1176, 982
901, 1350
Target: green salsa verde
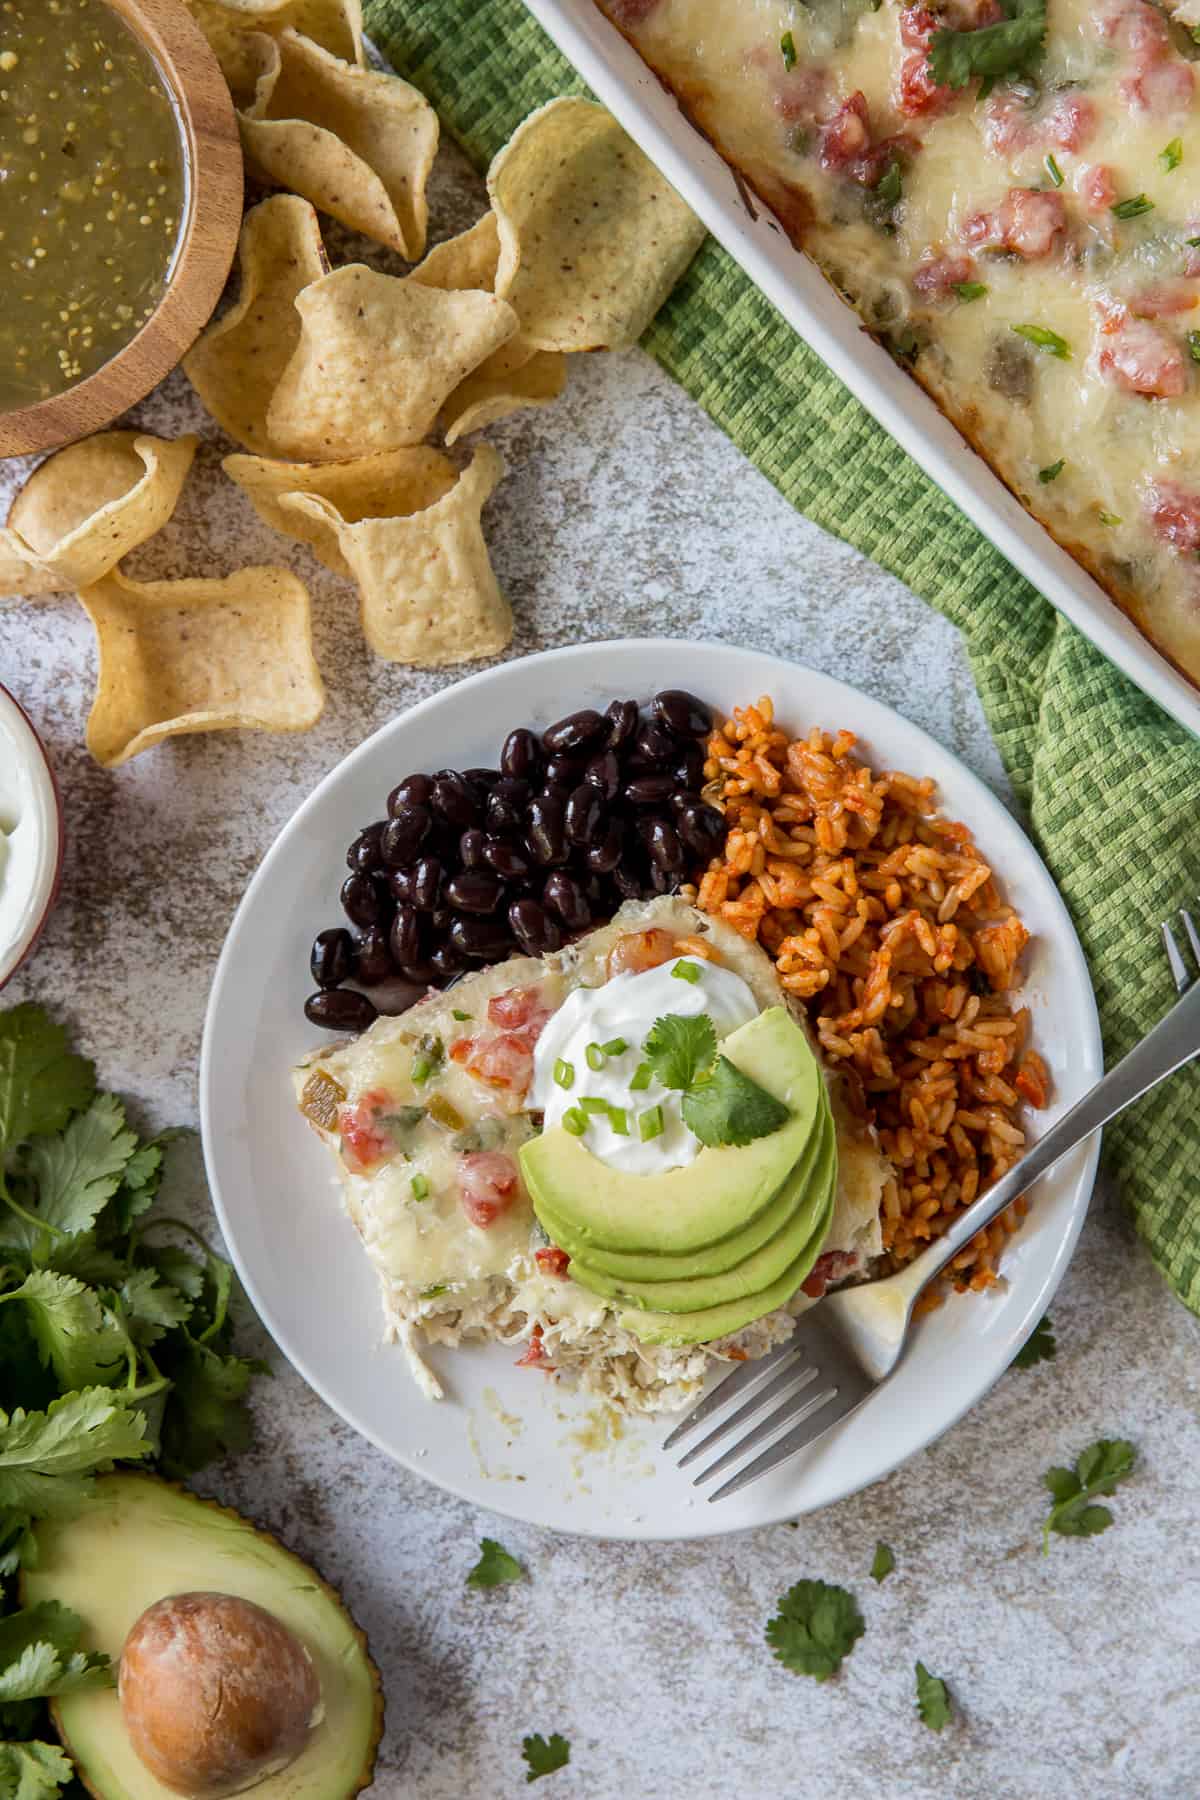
92, 192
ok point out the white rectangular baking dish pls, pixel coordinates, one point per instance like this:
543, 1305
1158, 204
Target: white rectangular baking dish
793, 284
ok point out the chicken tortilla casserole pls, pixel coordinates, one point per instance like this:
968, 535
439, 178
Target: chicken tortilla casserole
885, 921
1006, 191
624, 1158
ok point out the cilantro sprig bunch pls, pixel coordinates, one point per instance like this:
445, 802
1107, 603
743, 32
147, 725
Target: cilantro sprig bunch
719, 1103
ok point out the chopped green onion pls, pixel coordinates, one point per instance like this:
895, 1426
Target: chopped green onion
1045, 340
787, 45
1193, 338
1107, 518
650, 1123
574, 1121
1132, 208
431, 1293
1052, 471
1172, 156
642, 1076
1053, 171
1194, 242
686, 971
564, 1074
591, 1104
460, 1016
615, 1047
420, 1187
619, 1121
890, 186
595, 1056
970, 290
422, 1069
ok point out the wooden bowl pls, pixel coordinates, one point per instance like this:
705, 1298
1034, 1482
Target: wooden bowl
207, 240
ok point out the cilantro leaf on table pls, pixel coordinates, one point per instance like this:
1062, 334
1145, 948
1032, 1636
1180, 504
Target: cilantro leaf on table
495, 1566
1040, 1346
207, 1418
40, 1655
993, 52
1097, 1471
150, 1306
883, 1562
47, 1458
544, 1756
80, 1170
33, 1771
726, 1107
75, 1333
679, 1049
933, 1699
815, 1629
41, 1082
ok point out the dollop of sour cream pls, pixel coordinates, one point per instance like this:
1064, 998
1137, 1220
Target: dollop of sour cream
625, 1008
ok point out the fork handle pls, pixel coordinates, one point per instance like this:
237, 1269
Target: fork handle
1165, 1048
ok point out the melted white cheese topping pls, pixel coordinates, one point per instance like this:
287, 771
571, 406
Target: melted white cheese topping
626, 1008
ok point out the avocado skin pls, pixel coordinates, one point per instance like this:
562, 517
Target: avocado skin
89, 1723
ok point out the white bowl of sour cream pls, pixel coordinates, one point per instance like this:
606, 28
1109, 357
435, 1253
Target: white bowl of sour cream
31, 837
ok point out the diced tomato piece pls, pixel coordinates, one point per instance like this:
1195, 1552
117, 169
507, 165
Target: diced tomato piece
535, 1353
917, 26
1164, 301
1030, 223
1163, 89
365, 1143
846, 137
1007, 124
1096, 186
516, 1007
939, 272
552, 1261
829, 1267
1141, 359
1069, 123
1174, 512
969, 15
636, 951
502, 1062
918, 95
1135, 26
487, 1185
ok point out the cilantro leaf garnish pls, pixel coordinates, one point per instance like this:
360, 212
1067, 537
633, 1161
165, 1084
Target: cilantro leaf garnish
883, 1562
1040, 1346
1097, 1471
84, 1166
1172, 156
992, 51
40, 1656
815, 1629
41, 1082
1045, 339
47, 1458
76, 1334
726, 1107
970, 290
679, 1049
933, 1699
495, 1566
545, 1755
1193, 343
787, 47
1051, 472
33, 1771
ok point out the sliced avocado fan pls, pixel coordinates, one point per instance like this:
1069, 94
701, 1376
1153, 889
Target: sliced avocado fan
141, 1539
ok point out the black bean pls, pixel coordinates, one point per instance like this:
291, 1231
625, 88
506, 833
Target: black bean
420, 972
453, 799
364, 851
521, 755
332, 959
584, 813
403, 835
474, 891
622, 721
481, 782
374, 957
472, 848
506, 807
400, 883
479, 938
506, 859
533, 927
563, 772
604, 774
662, 844
439, 919
445, 960
340, 1009
655, 747
663, 881
682, 713
414, 790
629, 883
605, 853
688, 770
702, 828
578, 731
545, 831
648, 790
599, 895
563, 895
362, 901
405, 939
426, 883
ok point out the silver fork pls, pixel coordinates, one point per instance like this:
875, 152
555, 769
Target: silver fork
842, 1351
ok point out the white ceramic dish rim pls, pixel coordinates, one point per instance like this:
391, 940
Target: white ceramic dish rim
227, 1061
652, 117
33, 855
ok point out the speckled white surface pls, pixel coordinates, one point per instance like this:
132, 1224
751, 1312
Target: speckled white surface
625, 513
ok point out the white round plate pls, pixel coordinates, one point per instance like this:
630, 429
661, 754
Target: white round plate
514, 1439
31, 838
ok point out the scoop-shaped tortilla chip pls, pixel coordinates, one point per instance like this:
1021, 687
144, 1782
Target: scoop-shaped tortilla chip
236, 366
180, 656
396, 483
228, 24
87, 506
603, 238
376, 360
356, 142
427, 594
485, 397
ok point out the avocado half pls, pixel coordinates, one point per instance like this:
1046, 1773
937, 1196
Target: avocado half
141, 1539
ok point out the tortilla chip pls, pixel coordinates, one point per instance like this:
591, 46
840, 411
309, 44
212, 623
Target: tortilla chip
228, 24
357, 143
470, 260
427, 594
180, 656
397, 483
603, 238
484, 397
236, 366
87, 506
377, 358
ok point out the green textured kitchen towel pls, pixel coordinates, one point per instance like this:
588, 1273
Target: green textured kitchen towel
1109, 783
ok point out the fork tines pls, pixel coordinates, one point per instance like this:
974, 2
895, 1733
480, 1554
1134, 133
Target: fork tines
1180, 973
